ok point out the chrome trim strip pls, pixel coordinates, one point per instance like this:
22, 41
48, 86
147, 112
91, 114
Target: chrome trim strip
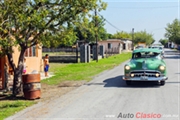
144, 71
148, 78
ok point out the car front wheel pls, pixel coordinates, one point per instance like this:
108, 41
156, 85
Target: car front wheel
162, 82
128, 82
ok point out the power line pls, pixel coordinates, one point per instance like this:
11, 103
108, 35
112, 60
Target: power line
122, 30
110, 23
145, 7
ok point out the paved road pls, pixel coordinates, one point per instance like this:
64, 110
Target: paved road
107, 97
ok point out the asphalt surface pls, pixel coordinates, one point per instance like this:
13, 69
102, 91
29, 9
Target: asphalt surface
107, 97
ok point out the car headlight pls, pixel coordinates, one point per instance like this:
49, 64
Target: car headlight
161, 67
127, 67
132, 75
157, 74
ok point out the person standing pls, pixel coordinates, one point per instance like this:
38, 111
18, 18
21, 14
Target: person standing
46, 65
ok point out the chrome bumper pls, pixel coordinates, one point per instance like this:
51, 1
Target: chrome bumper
144, 78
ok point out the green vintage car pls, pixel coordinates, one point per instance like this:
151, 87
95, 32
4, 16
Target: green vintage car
146, 65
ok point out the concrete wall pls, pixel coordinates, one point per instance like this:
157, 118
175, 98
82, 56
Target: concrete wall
114, 43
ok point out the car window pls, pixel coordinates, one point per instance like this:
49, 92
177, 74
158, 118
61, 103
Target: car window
145, 55
139, 47
154, 47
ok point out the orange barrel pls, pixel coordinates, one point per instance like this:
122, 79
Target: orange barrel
31, 86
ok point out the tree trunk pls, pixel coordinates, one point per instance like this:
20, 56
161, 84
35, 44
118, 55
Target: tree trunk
6, 76
17, 81
17, 86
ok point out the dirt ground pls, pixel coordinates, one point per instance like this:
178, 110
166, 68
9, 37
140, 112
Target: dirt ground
49, 91
52, 91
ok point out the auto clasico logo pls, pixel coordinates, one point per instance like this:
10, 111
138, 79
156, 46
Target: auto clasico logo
139, 115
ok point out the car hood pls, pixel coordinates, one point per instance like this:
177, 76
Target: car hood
145, 64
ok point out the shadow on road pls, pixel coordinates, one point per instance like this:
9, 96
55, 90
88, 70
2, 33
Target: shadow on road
172, 57
173, 82
172, 52
119, 82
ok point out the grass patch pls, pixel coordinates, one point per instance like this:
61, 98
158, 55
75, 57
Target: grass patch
83, 71
10, 107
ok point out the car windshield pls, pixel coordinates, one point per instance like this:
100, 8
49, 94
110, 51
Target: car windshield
145, 55
160, 48
156, 47
138, 47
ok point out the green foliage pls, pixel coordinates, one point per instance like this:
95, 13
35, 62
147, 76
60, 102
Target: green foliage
143, 37
163, 41
122, 35
84, 71
87, 30
173, 31
109, 36
153, 41
25, 23
65, 38
29, 22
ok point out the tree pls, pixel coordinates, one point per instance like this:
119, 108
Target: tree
25, 23
86, 29
143, 37
98, 30
110, 36
65, 38
173, 31
163, 41
122, 35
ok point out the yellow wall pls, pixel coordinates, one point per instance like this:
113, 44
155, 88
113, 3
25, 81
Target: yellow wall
32, 63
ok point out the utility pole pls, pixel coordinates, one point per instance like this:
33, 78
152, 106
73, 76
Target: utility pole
96, 27
132, 38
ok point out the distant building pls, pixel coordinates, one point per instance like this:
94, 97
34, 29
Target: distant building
113, 44
127, 44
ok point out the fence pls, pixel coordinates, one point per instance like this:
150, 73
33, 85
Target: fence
112, 51
70, 50
62, 55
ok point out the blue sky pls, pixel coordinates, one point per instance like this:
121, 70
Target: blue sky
149, 15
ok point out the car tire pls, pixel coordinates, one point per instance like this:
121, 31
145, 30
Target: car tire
162, 82
128, 82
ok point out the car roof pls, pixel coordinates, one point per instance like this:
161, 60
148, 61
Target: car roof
146, 50
157, 46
